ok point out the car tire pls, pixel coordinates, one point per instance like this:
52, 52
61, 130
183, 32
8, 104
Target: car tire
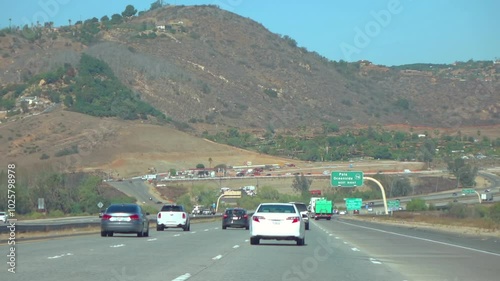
254, 241
159, 228
224, 227
146, 234
140, 234
104, 234
307, 226
247, 227
186, 228
110, 234
301, 241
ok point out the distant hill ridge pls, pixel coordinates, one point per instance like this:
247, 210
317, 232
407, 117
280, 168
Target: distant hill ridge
208, 69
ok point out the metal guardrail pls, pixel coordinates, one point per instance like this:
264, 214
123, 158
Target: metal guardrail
21, 227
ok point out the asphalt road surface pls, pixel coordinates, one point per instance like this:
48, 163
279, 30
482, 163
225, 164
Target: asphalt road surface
339, 249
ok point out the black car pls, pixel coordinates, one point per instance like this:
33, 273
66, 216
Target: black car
235, 217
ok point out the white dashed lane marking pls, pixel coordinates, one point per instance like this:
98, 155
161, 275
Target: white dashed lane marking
60, 256
375, 261
117, 246
183, 277
218, 257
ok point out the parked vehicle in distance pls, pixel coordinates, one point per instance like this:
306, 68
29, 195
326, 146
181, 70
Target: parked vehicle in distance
173, 216
277, 221
235, 217
125, 218
486, 197
3, 217
208, 212
302, 207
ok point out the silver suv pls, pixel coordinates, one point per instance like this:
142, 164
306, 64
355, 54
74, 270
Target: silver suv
302, 207
3, 217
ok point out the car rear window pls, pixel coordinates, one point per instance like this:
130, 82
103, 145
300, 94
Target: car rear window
237, 212
122, 209
301, 207
172, 208
276, 209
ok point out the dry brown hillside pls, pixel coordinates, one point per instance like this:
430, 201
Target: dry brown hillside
209, 68
123, 148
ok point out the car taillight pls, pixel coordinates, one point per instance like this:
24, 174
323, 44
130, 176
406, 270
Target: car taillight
245, 216
293, 219
257, 218
159, 215
225, 216
134, 217
106, 217
183, 215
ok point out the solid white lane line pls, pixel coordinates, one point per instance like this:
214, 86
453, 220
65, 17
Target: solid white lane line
426, 240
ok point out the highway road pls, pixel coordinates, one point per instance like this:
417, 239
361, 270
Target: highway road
136, 188
340, 249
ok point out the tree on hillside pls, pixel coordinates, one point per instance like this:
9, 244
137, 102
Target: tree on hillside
116, 19
465, 173
155, 5
301, 184
130, 11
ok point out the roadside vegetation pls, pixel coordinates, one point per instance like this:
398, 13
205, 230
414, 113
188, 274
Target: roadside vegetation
63, 194
475, 216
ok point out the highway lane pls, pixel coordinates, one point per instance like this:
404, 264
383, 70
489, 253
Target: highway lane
335, 250
136, 188
422, 254
206, 253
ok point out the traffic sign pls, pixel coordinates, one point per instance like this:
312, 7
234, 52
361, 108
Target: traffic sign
346, 179
393, 204
232, 194
99, 205
468, 191
353, 203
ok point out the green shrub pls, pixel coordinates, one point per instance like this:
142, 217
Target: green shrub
495, 212
416, 204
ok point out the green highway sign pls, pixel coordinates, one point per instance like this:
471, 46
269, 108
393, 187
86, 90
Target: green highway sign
346, 179
468, 191
353, 203
393, 204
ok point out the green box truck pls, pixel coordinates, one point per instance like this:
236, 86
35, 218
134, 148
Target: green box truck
323, 209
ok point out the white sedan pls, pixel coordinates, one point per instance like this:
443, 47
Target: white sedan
277, 221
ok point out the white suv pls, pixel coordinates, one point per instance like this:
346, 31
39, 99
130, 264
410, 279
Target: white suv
3, 217
302, 207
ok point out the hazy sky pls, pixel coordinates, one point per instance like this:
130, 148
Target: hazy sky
388, 32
